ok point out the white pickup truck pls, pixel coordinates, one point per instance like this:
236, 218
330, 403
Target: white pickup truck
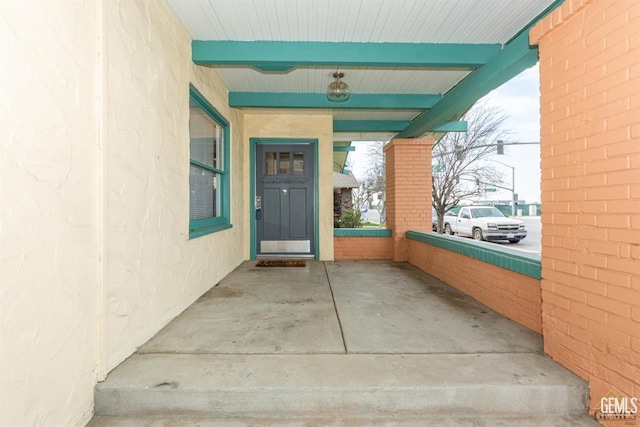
484, 223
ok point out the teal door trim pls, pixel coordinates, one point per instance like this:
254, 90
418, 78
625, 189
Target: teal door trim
253, 142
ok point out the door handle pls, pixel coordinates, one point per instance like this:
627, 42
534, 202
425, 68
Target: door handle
258, 208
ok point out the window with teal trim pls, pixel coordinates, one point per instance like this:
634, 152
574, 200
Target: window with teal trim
209, 167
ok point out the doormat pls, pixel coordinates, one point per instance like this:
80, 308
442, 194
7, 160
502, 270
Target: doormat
281, 263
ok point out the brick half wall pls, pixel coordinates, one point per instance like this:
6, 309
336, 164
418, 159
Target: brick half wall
512, 294
353, 247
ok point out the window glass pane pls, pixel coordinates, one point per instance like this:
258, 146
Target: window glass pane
205, 138
270, 163
209, 209
298, 163
285, 164
204, 193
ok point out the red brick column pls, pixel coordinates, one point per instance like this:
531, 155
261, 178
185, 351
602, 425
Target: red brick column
408, 168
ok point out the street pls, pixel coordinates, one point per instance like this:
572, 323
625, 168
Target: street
531, 244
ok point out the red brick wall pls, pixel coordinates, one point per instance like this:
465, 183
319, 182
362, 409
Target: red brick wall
512, 294
362, 248
590, 150
408, 180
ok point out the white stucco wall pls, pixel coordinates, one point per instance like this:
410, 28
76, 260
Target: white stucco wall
153, 270
48, 220
94, 196
301, 124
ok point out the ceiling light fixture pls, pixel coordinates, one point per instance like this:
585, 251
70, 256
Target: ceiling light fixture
338, 91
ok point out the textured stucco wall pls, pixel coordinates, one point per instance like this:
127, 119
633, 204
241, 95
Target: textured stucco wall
94, 196
153, 270
48, 222
306, 124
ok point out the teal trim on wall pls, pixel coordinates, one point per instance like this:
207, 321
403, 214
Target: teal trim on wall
283, 56
201, 227
319, 100
252, 188
520, 262
362, 232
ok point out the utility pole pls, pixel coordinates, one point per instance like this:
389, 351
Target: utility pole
513, 186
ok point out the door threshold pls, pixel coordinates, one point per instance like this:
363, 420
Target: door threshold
286, 256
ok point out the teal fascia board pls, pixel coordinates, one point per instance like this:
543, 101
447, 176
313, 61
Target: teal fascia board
516, 57
509, 259
370, 125
319, 100
362, 232
282, 56
343, 148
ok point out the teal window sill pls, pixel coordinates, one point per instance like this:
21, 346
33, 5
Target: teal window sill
203, 231
361, 232
509, 259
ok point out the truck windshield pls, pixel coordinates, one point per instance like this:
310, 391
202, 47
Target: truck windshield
485, 212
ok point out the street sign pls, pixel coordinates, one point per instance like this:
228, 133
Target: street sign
490, 190
437, 168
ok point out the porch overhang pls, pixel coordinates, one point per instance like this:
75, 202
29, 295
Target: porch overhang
416, 85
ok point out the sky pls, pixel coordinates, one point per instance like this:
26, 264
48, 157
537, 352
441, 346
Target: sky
519, 99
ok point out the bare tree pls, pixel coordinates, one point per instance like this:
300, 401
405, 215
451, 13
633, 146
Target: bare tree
373, 184
457, 173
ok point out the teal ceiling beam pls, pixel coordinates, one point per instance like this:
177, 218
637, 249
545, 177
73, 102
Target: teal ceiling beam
279, 56
515, 57
343, 148
319, 100
391, 126
454, 126
370, 125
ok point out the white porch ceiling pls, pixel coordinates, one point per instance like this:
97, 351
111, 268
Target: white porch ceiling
466, 23
377, 21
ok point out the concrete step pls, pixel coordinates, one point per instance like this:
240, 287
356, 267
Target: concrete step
399, 421
341, 386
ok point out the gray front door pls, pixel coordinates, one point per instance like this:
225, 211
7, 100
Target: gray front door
285, 200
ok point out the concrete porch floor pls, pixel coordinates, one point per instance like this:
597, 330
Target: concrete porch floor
301, 333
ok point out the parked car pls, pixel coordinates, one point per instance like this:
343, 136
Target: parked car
434, 220
485, 223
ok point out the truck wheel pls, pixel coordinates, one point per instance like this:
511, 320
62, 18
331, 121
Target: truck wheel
447, 229
514, 240
477, 234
